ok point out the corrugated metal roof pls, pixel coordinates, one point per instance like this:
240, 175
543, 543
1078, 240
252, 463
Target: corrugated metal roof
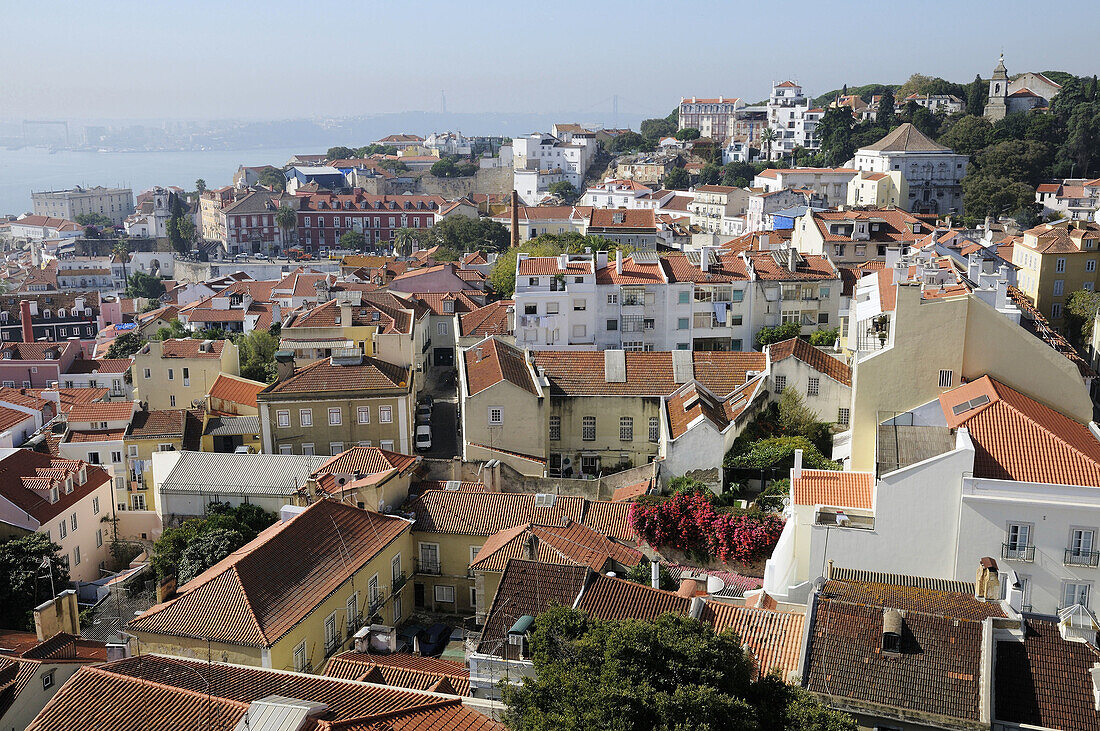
253, 474
221, 426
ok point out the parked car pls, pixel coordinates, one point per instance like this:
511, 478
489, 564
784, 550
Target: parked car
426, 399
434, 641
423, 437
422, 418
424, 410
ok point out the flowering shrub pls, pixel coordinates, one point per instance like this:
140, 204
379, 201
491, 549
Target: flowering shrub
690, 523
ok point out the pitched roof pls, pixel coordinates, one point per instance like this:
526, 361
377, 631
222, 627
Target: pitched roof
693, 404
359, 463
1017, 438
156, 693
236, 389
1044, 680
528, 588
491, 319
492, 361
98, 411
571, 543
103, 365
402, 670
582, 373
906, 138
230, 473
817, 359
191, 348
324, 376
486, 513
162, 423
26, 479
774, 639
622, 218
254, 596
607, 597
832, 487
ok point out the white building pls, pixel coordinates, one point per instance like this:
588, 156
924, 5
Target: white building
829, 183
151, 219
38, 228
449, 143
114, 203
932, 172
540, 160
984, 470
617, 194
792, 119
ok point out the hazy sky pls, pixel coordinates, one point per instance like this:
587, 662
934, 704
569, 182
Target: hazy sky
199, 59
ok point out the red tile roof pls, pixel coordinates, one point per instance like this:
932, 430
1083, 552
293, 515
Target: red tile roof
830, 487
26, 478
108, 435
493, 361
774, 639
633, 272
191, 348
402, 670
606, 597
111, 411
1017, 438
486, 513
236, 389
492, 319
543, 265
571, 543
613, 218
358, 463
817, 359
254, 596
629, 492
103, 365
324, 376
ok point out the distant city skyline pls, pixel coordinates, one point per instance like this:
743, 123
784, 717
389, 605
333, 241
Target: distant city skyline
282, 60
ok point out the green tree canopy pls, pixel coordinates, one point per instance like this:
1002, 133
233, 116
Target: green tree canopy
835, 132
94, 219
969, 135
976, 95
886, 117
654, 130
339, 153
677, 179
257, 355
140, 284
125, 345
565, 190
244, 522
990, 195
1080, 313
503, 274
286, 218
670, 673
777, 453
174, 330
272, 177
24, 581
686, 134
711, 174
353, 240
628, 142
1021, 160
779, 333
200, 186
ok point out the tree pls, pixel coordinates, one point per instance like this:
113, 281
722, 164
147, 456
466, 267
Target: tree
670, 673
206, 550
885, 115
1082, 147
925, 120
565, 190
181, 229
824, 337
779, 333
200, 186
140, 284
1022, 160
353, 240
173, 331
502, 276
654, 130
246, 520
462, 233
273, 177
1080, 313
767, 138
990, 195
711, 174
640, 574
976, 95
286, 218
125, 345
339, 153
403, 240
969, 135
94, 219
686, 134
25, 578
677, 179
777, 453
627, 142
445, 168
835, 132
257, 355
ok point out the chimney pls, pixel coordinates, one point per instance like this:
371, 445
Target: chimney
796, 471
704, 258
284, 364
893, 628
987, 584
60, 614
601, 259
25, 321
515, 219
478, 354
618, 261
655, 575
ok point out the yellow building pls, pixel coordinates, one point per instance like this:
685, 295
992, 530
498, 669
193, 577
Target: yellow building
1055, 259
291, 598
171, 374
169, 430
452, 526
933, 345
228, 433
878, 190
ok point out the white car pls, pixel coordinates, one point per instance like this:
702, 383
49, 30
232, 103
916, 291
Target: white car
423, 439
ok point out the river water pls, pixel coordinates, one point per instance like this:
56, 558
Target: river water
35, 169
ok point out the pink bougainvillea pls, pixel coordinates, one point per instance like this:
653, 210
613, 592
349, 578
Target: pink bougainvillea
688, 522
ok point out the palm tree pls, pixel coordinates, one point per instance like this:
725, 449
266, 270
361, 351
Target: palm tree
403, 241
768, 136
122, 252
287, 220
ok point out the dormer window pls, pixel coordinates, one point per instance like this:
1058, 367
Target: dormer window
68, 485
61, 313
83, 476
54, 496
46, 314
448, 306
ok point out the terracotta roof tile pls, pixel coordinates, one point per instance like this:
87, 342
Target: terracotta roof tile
191, 348
629, 492
817, 359
103, 365
581, 373
492, 361
528, 588
572, 543
492, 319
607, 597
252, 597
110, 411
401, 670
323, 376
106, 435
236, 389
543, 265
830, 487
18, 473
773, 638
165, 423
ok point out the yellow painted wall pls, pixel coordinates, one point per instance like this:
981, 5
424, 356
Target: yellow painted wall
454, 562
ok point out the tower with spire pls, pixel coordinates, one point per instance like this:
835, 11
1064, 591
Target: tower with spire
997, 106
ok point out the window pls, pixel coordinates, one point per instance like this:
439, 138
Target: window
171, 374
441, 328
1056, 311
1060, 265
813, 387
363, 414
580, 305
137, 501
99, 538
76, 555
187, 376
62, 529
1059, 287
474, 550
72, 520
588, 428
1081, 547
822, 318
300, 661
445, 594
946, 378
780, 383
1075, 593
335, 417
147, 373
842, 416
555, 428
95, 506
612, 325
386, 444
385, 414
282, 418
1090, 265
684, 298
533, 281
305, 417
335, 448
47, 680
496, 415
1017, 544
626, 429
332, 635
93, 457
429, 558
654, 429
307, 450
613, 299
580, 331
286, 449
682, 323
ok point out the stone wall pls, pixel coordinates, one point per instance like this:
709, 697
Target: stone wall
491, 180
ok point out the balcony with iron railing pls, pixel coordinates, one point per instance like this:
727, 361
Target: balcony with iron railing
399, 581
1079, 557
355, 623
430, 567
1017, 552
333, 644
